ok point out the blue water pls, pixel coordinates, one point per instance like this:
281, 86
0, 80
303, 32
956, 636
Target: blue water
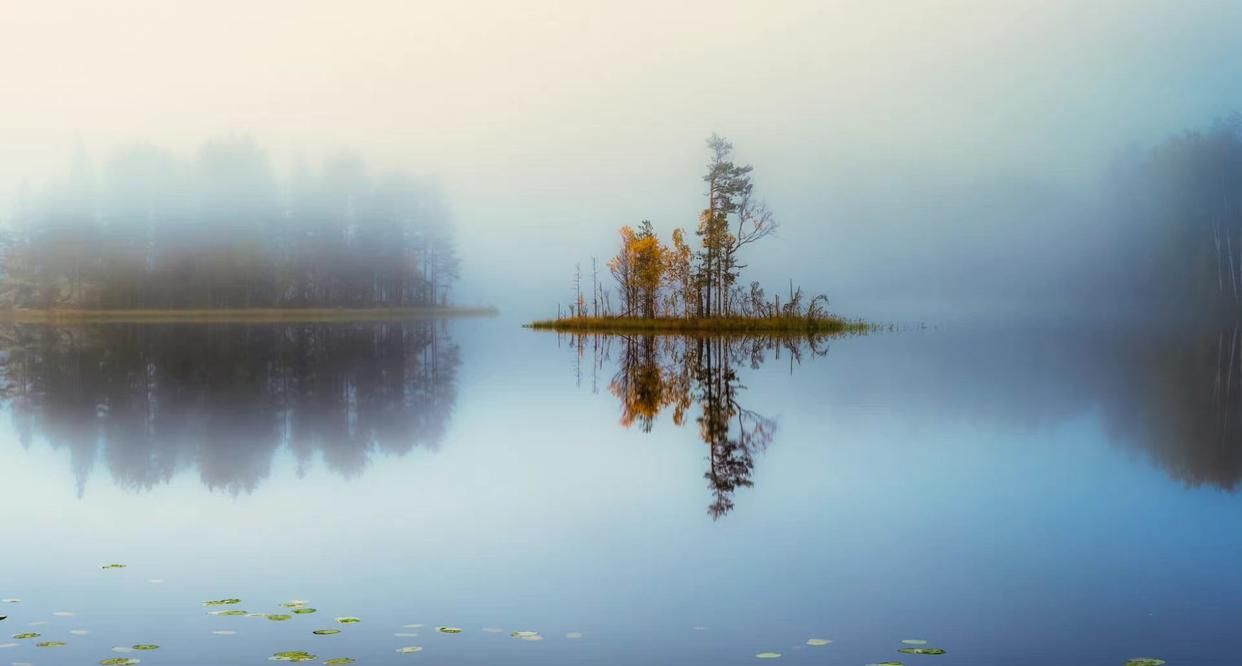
1011, 496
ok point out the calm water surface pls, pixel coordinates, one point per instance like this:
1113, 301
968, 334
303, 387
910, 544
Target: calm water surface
1012, 495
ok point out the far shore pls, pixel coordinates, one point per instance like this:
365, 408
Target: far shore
236, 315
822, 325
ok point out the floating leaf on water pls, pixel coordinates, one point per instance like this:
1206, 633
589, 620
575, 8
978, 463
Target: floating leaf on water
524, 634
348, 620
1145, 661
339, 661
914, 641
409, 649
232, 613
63, 614
303, 611
278, 617
295, 603
573, 634
768, 655
27, 635
113, 566
817, 641
222, 602
256, 614
921, 651
79, 632
3, 618
224, 632
47, 644
293, 655
146, 646
326, 632
120, 661
449, 630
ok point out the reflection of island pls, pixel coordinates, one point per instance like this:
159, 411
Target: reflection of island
151, 400
662, 372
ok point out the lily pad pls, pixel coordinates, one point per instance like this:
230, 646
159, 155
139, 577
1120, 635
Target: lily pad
339, 661
449, 630
222, 602
113, 566
50, 644
524, 634
232, 613
146, 646
293, 655
22, 637
1145, 661
3, 618
326, 632
921, 651
768, 655
277, 617
295, 603
409, 649
303, 611
348, 620
120, 661
817, 641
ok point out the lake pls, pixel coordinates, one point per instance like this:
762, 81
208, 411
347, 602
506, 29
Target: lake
1030, 494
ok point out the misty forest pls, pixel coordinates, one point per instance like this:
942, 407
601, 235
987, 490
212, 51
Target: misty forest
559, 332
151, 230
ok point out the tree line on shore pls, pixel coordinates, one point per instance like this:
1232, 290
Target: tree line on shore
675, 280
152, 230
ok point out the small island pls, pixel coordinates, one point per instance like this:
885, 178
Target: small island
677, 289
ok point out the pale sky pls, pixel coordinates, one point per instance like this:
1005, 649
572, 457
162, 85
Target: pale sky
551, 123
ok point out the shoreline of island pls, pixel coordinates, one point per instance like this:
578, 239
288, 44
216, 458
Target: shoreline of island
238, 315
821, 325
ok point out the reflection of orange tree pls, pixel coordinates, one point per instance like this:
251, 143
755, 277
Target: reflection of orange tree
658, 372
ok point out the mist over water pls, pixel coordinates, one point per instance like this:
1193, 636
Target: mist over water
235, 240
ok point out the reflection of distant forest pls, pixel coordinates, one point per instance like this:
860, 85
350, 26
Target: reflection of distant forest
658, 373
151, 400
1174, 395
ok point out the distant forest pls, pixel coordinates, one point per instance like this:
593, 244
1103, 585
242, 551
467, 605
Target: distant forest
1180, 207
150, 230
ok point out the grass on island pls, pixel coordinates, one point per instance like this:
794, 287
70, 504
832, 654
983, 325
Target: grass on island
236, 315
822, 325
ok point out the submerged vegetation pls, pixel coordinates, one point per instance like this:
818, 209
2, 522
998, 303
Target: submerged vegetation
677, 288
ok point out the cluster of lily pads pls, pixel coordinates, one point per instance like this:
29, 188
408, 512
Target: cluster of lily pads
301, 607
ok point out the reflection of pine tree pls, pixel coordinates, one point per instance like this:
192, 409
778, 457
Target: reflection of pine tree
153, 400
656, 373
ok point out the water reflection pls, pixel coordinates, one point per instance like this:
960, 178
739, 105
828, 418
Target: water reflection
659, 373
151, 400
1175, 396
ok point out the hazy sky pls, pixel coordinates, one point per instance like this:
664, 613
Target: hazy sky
550, 124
